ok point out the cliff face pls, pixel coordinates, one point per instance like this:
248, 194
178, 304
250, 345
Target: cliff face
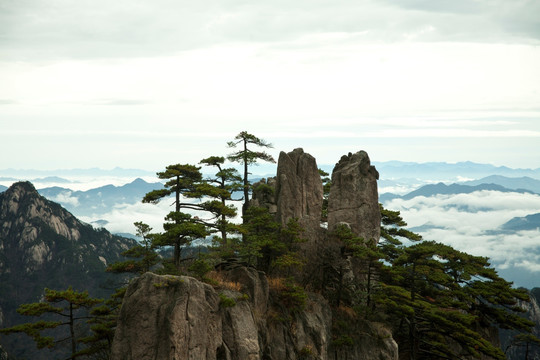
167, 317
178, 317
522, 350
43, 245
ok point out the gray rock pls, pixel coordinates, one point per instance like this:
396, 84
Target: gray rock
354, 197
178, 317
299, 189
168, 317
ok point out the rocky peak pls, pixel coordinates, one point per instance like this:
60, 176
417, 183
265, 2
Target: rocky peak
22, 208
299, 188
43, 245
354, 197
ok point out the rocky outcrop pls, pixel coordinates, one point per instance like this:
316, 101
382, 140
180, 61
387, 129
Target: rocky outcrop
299, 190
354, 197
167, 317
179, 317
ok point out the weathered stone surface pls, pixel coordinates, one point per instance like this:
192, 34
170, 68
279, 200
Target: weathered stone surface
376, 343
264, 194
299, 189
254, 283
354, 197
168, 317
178, 317
307, 331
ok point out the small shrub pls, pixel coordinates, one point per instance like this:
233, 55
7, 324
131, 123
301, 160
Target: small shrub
243, 297
343, 340
168, 280
293, 296
306, 353
226, 301
200, 268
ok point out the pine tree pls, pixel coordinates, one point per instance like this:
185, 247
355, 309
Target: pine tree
143, 256
327, 183
180, 228
63, 304
247, 157
220, 188
441, 299
102, 321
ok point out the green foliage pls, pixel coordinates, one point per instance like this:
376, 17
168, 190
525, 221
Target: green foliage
306, 353
444, 296
102, 321
225, 301
327, 183
247, 157
268, 245
293, 296
528, 341
200, 268
143, 256
63, 304
184, 180
220, 188
342, 341
180, 230
260, 241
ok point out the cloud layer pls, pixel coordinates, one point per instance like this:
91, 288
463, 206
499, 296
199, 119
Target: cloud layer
141, 28
469, 222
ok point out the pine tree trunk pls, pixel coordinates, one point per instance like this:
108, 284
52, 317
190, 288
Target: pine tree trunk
246, 183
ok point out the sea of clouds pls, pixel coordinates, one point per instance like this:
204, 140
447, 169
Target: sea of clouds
472, 223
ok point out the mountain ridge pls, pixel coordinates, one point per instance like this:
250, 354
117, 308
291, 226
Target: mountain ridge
44, 245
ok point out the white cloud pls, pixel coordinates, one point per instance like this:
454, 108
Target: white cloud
121, 218
467, 223
67, 198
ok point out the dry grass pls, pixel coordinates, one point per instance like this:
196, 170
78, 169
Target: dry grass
219, 281
277, 284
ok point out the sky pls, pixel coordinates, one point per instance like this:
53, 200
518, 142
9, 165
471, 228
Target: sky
143, 84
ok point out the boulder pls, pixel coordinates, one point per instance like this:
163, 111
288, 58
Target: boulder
168, 317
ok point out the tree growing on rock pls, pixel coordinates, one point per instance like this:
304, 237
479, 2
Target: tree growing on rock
247, 156
183, 180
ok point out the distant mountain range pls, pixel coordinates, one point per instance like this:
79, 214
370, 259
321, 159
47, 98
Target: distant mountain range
514, 183
99, 200
440, 171
452, 189
529, 222
503, 184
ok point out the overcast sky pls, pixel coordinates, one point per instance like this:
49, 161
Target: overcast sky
147, 83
